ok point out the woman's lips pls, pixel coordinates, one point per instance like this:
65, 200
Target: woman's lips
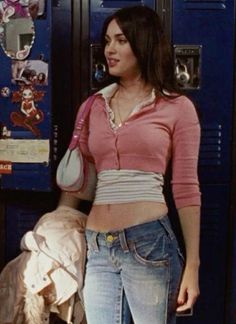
112, 62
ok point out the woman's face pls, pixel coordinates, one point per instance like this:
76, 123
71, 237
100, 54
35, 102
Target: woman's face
119, 55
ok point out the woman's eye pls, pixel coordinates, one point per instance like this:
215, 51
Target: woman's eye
122, 41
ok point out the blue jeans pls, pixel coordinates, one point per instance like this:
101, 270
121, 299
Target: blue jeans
136, 270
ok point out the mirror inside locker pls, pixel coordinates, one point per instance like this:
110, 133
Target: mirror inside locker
188, 66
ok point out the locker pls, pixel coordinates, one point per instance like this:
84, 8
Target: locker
26, 130
208, 24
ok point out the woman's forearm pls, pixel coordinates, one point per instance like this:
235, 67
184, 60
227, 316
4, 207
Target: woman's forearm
69, 200
190, 224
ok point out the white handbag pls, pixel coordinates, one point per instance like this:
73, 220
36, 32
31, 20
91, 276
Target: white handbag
75, 173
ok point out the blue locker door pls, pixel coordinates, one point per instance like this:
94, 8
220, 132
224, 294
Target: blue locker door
209, 308
210, 24
26, 129
99, 10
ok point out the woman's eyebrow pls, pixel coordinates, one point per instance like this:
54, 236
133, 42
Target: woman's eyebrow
116, 35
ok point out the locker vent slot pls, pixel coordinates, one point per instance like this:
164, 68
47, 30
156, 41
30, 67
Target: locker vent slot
207, 5
211, 146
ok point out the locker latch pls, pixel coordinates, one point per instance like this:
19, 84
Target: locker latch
188, 66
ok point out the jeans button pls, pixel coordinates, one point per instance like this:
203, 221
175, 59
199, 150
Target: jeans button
110, 238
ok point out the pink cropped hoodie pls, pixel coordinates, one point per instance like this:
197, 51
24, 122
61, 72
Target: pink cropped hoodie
166, 130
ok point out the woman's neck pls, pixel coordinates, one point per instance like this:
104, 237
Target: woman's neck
134, 89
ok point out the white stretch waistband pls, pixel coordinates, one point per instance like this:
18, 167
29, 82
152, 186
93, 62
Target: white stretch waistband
123, 186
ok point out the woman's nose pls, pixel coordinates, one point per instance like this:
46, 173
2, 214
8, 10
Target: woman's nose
110, 47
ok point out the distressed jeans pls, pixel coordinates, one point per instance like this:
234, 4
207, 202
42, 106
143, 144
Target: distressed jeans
135, 271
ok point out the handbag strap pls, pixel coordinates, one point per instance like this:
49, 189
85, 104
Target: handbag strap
80, 120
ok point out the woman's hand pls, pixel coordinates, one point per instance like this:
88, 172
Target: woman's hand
189, 289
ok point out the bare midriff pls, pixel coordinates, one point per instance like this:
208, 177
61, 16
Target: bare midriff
112, 217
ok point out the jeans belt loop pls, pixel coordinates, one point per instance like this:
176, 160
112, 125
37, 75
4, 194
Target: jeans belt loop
123, 241
94, 241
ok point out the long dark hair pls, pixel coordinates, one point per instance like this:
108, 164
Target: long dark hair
143, 29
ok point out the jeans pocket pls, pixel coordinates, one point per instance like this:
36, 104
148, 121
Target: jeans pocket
151, 251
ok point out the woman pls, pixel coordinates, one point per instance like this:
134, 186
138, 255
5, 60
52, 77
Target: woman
136, 126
